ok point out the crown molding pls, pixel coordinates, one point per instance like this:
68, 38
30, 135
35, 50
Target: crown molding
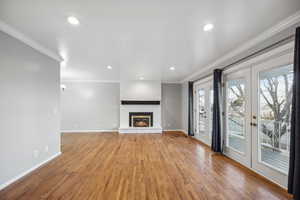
89, 81
171, 82
109, 81
279, 27
28, 41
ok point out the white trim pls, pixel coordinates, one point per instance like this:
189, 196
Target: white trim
270, 179
281, 26
185, 132
90, 81
254, 170
170, 82
173, 130
110, 81
28, 41
204, 80
144, 130
87, 131
100, 131
2, 186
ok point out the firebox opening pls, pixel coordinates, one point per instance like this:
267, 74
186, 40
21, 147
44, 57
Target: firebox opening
140, 119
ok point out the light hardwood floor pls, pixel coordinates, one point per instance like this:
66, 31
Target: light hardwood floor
110, 166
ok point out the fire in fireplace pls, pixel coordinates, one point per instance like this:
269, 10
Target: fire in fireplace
141, 119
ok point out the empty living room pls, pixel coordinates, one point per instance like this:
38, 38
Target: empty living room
150, 100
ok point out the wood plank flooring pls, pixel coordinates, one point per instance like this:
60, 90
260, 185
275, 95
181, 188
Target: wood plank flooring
109, 166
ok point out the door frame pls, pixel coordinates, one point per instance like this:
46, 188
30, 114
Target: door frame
243, 158
276, 52
207, 83
276, 175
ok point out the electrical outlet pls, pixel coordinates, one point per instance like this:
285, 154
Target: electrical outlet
46, 148
36, 153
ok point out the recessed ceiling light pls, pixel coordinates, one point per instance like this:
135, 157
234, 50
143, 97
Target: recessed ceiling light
172, 68
142, 78
208, 27
109, 67
63, 87
73, 20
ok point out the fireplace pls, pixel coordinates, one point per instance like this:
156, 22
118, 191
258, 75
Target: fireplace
140, 119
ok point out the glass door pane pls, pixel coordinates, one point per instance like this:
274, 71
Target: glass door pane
211, 103
274, 115
236, 115
201, 111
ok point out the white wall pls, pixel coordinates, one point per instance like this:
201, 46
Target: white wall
29, 108
171, 106
90, 106
140, 90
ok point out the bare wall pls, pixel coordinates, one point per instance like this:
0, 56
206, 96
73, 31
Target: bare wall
30, 112
90, 106
184, 106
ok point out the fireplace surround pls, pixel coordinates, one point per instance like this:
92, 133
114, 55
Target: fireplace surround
140, 106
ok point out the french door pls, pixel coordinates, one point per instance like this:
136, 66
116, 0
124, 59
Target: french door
238, 114
203, 111
257, 116
271, 115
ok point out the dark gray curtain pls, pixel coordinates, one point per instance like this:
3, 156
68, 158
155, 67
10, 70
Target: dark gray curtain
191, 110
216, 145
294, 171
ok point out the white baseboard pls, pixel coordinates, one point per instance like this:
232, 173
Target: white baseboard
144, 130
179, 130
87, 131
100, 131
95, 131
3, 185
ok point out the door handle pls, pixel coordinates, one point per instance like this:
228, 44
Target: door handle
253, 124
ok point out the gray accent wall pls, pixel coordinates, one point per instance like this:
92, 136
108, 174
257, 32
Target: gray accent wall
185, 106
29, 109
171, 106
90, 106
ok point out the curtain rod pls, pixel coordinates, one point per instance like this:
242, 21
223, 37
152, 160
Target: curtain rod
276, 44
